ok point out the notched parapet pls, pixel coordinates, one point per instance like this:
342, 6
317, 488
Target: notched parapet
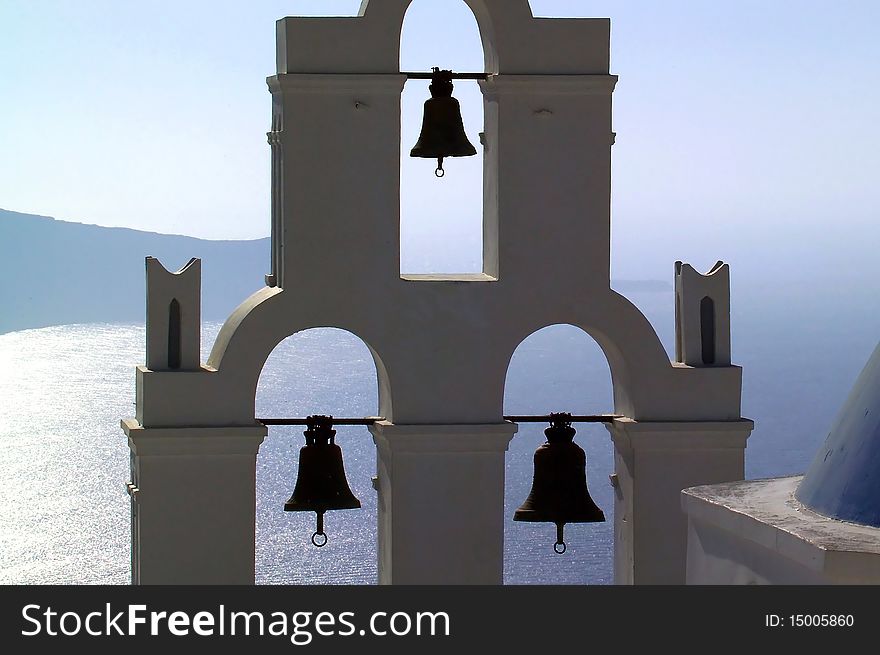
702, 315
173, 316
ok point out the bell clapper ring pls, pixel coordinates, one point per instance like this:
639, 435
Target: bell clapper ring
559, 546
319, 538
440, 172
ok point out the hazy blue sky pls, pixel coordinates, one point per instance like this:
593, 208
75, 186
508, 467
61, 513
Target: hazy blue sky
743, 126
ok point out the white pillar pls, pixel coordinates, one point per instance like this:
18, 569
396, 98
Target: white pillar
193, 503
441, 502
654, 461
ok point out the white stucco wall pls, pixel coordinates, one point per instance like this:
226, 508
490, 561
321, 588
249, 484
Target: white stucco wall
756, 532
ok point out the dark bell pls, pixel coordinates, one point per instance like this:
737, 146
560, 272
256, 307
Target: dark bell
559, 489
442, 127
321, 484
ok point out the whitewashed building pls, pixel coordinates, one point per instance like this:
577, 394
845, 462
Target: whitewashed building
818, 528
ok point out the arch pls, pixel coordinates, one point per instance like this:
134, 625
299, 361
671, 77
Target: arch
639, 365
645, 384
561, 46
614, 356
494, 17
255, 329
568, 372
283, 553
455, 30
329, 358
556, 334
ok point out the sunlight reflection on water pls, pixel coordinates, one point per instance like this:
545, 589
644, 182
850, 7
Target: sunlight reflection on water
64, 514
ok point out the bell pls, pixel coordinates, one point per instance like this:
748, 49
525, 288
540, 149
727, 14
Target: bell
320, 481
559, 489
442, 127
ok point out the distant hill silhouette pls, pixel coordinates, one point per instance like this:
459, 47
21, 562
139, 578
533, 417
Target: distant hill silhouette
55, 272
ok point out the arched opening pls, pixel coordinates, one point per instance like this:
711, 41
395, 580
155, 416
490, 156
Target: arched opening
317, 371
558, 369
441, 220
174, 334
707, 329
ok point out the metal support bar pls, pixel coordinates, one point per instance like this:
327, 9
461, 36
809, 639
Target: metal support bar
370, 420
309, 420
600, 418
455, 76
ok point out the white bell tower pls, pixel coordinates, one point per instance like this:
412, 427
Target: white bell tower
441, 344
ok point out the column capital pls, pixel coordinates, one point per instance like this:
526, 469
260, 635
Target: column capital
582, 85
336, 83
655, 436
654, 461
234, 440
427, 438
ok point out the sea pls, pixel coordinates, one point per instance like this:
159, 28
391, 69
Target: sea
64, 461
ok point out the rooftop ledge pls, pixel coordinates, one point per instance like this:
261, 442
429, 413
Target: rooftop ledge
767, 513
